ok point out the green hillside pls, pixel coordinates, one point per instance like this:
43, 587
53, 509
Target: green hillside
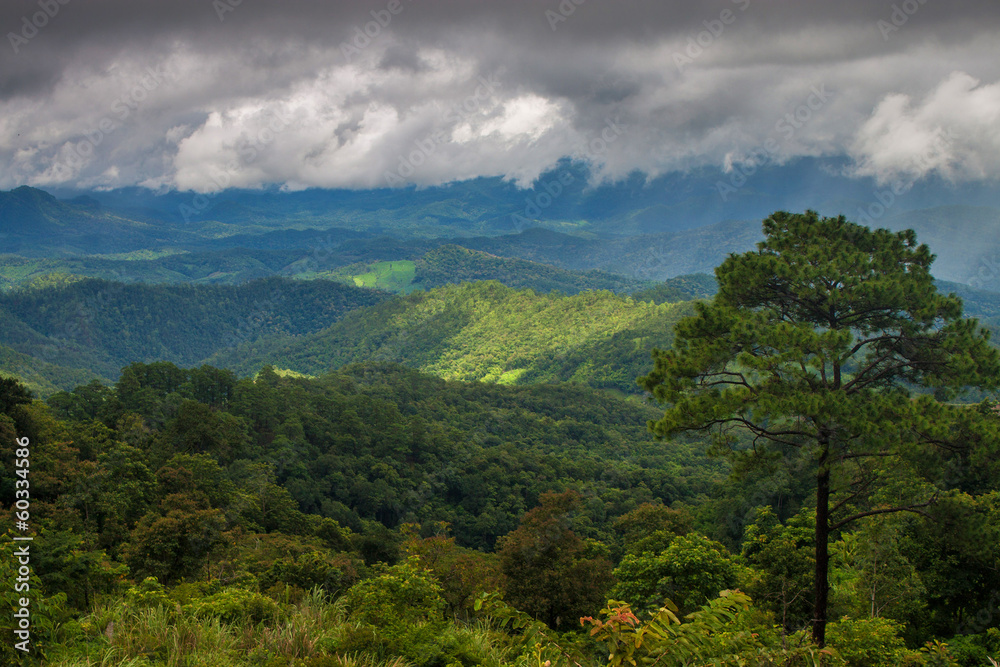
101, 326
484, 332
452, 264
40, 376
680, 288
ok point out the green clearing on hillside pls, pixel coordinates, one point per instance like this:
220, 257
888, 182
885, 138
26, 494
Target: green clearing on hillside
394, 276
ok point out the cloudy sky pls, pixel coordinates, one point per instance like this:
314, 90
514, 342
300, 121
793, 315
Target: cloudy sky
204, 94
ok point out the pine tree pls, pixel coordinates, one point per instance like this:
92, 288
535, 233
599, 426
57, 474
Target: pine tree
830, 341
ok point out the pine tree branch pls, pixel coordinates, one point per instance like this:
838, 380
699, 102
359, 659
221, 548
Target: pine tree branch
888, 510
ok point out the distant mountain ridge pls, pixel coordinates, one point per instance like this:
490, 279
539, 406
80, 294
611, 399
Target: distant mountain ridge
647, 229
634, 206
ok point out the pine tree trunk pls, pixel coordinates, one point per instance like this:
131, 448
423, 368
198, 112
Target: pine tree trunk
821, 582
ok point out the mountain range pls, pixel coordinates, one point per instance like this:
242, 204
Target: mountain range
95, 280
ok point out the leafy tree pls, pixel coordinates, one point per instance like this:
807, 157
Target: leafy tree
12, 394
550, 572
877, 578
875, 642
651, 527
46, 610
956, 552
67, 563
689, 572
783, 562
812, 344
399, 609
173, 543
463, 573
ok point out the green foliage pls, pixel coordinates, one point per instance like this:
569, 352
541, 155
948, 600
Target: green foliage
70, 563
235, 605
386, 444
404, 594
874, 576
12, 394
149, 593
955, 551
549, 571
680, 288
975, 649
872, 642
398, 612
690, 571
173, 542
47, 609
716, 634
651, 527
782, 560
464, 574
310, 570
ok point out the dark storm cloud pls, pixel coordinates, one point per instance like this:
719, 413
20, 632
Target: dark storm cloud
203, 94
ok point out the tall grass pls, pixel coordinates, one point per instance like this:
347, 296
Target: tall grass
307, 634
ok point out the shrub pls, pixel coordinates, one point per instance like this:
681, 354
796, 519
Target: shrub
868, 642
236, 605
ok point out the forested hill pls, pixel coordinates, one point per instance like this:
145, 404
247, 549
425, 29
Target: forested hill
98, 326
452, 264
487, 332
681, 288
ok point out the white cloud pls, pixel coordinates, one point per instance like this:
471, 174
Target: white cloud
953, 132
412, 106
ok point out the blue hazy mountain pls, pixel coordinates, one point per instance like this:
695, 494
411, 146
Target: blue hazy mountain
649, 229
562, 199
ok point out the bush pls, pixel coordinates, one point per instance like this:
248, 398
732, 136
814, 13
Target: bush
398, 612
869, 642
974, 650
148, 594
236, 605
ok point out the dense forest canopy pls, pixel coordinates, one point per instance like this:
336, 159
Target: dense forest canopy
469, 474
